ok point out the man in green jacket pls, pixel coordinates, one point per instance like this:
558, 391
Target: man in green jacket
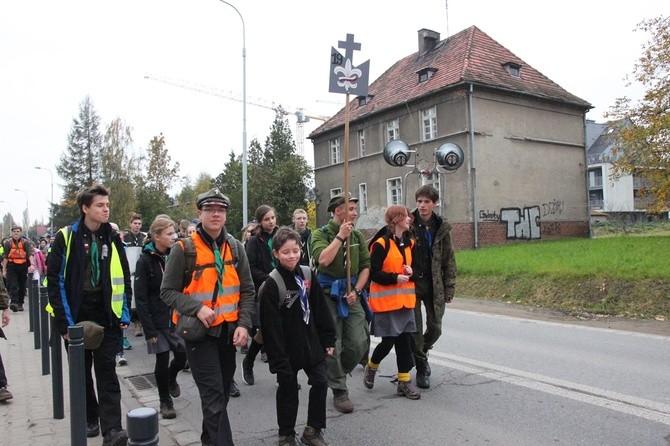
329, 249
434, 267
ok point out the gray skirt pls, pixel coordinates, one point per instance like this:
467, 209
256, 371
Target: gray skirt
167, 340
393, 323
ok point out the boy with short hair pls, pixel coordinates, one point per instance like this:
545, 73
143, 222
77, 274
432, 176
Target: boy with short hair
299, 333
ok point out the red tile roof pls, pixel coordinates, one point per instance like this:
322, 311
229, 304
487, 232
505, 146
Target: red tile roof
469, 57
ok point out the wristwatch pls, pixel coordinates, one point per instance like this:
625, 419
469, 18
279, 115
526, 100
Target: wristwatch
358, 292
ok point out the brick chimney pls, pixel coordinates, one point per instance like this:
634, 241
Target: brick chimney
427, 40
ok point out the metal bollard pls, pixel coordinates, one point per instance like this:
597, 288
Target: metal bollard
57, 374
44, 330
77, 386
32, 289
142, 427
35, 314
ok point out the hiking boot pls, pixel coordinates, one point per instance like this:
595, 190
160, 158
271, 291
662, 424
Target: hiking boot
14, 307
5, 394
287, 440
121, 360
19, 307
126, 344
174, 389
248, 371
92, 429
115, 437
312, 437
406, 388
167, 410
264, 357
341, 401
422, 373
138, 330
234, 390
369, 377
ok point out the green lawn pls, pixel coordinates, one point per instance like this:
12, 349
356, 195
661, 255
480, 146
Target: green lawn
622, 275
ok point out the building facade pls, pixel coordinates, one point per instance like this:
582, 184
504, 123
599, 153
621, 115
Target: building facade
523, 136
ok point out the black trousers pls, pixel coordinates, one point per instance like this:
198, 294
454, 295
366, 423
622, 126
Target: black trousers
403, 351
212, 363
3, 377
17, 276
166, 371
106, 407
287, 399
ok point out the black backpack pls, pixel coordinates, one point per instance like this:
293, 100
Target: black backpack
283, 292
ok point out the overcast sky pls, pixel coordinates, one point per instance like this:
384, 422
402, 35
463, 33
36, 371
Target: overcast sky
53, 54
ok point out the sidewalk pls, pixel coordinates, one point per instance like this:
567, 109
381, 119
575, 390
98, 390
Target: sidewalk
27, 419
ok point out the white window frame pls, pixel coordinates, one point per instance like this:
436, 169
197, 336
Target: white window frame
392, 130
335, 151
361, 143
362, 198
394, 191
429, 123
335, 191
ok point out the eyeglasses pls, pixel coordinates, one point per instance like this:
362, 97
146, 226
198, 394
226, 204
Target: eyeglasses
214, 210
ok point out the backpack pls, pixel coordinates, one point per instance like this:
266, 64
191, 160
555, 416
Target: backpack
189, 256
283, 292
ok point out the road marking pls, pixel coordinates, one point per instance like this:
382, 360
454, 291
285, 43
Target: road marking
640, 407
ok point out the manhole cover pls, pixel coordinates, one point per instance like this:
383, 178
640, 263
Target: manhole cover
143, 382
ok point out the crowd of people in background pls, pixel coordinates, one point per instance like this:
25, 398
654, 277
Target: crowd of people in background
304, 299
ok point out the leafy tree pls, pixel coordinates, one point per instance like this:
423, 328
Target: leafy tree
80, 163
118, 169
184, 205
153, 188
642, 130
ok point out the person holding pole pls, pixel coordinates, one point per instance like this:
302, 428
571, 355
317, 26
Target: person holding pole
343, 268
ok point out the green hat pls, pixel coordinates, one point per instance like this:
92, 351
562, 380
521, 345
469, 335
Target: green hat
212, 196
338, 200
93, 334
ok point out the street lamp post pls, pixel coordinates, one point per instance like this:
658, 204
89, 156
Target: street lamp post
3, 218
51, 205
244, 118
26, 218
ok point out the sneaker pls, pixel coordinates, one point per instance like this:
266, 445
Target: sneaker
14, 307
312, 437
115, 437
264, 357
287, 440
406, 388
92, 429
248, 371
167, 410
121, 360
126, 344
174, 389
234, 390
138, 330
341, 401
5, 394
369, 377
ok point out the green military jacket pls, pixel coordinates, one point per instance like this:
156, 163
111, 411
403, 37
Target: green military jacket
360, 256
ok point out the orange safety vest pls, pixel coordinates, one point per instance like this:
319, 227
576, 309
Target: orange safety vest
203, 282
17, 254
384, 298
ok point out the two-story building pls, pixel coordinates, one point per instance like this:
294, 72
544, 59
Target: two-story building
523, 136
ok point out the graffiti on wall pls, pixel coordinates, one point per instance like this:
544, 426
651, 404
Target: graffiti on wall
552, 207
521, 224
486, 215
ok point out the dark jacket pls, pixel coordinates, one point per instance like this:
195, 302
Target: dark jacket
66, 282
291, 344
439, 262
304, 237
260, 257
154, 314
131, 239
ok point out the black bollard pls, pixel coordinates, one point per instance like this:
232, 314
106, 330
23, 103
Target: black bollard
57, 374
77, 385
34, 298
142, 427
32, 289
44, 329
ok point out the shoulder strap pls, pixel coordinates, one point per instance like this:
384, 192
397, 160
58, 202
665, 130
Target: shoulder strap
232, 241
189, 257
313, 262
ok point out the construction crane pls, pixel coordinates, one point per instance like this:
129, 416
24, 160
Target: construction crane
300, 114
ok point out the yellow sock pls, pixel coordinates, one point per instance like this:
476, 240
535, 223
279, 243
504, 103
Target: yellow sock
404, 377
372, 365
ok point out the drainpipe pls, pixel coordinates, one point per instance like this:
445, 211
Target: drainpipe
473, 168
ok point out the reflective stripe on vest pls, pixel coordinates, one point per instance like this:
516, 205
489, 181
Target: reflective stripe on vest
384, 298
17, 253
204, 277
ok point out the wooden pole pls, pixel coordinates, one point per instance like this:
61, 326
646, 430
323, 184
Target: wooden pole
346, 187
